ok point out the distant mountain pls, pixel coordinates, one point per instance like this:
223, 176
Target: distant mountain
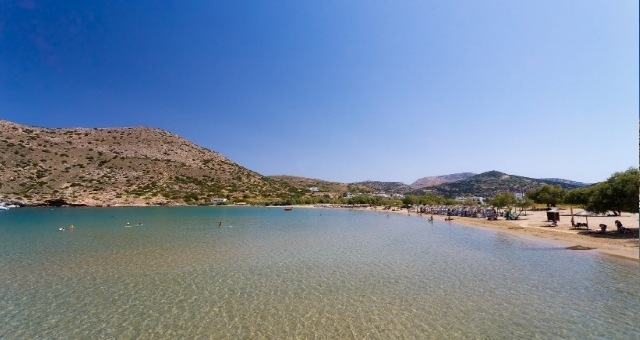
437, 180
120, 166
560, 181
489, 183
388, 187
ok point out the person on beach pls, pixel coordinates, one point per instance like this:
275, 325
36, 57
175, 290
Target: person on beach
621, 229
220, 224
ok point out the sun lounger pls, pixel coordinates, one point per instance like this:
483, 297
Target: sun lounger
580, 226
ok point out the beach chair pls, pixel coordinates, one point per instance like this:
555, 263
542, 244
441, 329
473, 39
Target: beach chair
580, 226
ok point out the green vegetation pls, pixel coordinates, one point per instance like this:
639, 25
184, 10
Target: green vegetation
547, 194
429, 199
503, 199
618, 193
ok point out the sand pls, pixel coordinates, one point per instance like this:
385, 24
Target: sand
535, 224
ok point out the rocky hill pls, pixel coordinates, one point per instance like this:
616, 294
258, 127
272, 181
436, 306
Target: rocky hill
119, 166
489, 183
437, 180
332, 188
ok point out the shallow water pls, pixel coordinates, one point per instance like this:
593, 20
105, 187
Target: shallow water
308, 273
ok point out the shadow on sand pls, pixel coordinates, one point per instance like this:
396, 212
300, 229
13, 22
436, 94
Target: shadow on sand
613, 234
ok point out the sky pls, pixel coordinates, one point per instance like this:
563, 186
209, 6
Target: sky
344, 90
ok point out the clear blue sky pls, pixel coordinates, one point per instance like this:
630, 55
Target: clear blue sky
341, 90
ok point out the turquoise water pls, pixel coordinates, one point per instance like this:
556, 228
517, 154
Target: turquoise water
308, 273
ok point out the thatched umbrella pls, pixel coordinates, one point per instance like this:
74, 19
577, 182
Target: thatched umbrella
586, 215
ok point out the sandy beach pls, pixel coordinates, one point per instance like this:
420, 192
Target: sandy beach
535, 224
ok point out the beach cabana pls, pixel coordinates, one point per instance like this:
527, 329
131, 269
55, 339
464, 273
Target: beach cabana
586, 215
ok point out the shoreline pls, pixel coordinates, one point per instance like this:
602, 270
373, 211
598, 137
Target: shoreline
532, 225
535, 225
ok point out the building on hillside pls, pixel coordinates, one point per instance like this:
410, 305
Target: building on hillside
314, 189
476, 199
219, 200
347, 195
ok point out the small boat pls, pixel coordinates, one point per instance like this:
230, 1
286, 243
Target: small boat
288, 208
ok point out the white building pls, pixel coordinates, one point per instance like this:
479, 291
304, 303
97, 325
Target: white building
477, 199
219, 200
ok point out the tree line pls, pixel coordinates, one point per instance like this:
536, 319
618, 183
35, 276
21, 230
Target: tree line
620, 192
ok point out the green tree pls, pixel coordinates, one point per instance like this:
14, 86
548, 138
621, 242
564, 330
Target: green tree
469, 202
524, 204
503, 199
618, 193
579, 196
547, 194
411, 200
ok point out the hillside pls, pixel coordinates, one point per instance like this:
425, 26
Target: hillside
334, 188
119, 166
562, 182
437, 180
149, 166
489, 183
388, 187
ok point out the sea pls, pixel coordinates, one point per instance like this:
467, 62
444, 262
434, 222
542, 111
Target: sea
310, 273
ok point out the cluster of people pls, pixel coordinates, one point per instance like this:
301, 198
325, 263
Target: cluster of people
462, 211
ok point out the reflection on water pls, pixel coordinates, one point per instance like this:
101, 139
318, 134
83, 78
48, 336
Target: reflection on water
301, 274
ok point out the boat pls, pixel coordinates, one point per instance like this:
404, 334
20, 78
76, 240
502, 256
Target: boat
2, 207
288, 208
